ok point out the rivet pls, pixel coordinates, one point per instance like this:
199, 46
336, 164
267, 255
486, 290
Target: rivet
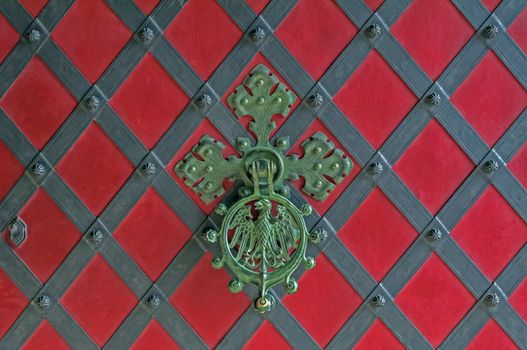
208, 152
373, 31
204, 101
259, 82
96, 236
318, 166
335, 166
434, 234
260, 100
318, 149
209, 168
38, 169
315, 100
490, 166
244, 101
146, 34
375, 168
491, 31
492, 299
433, 99
243, 143
278, 100
92, 103
209, 185
257, 34
378, 301
318, 184
32, 36
210, 235
154, 300
191, 169
281, 143
44, 301
149, 169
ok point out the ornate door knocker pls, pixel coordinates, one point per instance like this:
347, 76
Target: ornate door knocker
263, 236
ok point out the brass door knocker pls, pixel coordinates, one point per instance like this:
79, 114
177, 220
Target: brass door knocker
263, 236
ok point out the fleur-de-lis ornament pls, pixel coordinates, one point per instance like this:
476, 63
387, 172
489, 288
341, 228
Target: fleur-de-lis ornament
263, 236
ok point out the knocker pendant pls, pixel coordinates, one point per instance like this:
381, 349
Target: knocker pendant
263, 236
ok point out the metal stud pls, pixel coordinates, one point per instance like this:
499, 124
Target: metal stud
204, 101
210, 235
38, 169
146, 34
154, 300
32, 36
373, 31
492, 299
318, 235
257, 34
378, 301
149, 169
92, 103
17, 231
491, 31
375, 168
433, 99
96, 236
315, 100
44, 301
490, 166
434, 235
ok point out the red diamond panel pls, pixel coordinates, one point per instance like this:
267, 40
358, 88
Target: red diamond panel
492, 337
154, 337
257, 5
152, 234
433, 166
259, 59
322, 207
435, 300
34, 6
205, 127
13, 302
10, 171
92, 36
518, 165
96, 294
45, 338
491, 233
37, 102
378, 337
95, 154
518, 30
324, 301
205, 302
146, 5
264, 336
433, 35
490, 98
9, 38
214, 35
377, 234
316, 32
51, 235
518, 299
149, 101
375, 99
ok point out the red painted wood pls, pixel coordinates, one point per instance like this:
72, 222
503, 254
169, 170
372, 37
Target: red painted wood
154, 337
45, 338
13, 302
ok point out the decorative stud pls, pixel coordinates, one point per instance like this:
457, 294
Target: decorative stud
32, 36
282, 142
375, 168
492, 299
38, 169
491, 31
17, 231
221, 209
378, 301
204, 101
154, 300
92, 103
146, 34
149, 169
235, 285
315, 100
490, 166
44, 301
373, 31
318, 235
257, 34
433, 99
210, 235
96, 236
434, 235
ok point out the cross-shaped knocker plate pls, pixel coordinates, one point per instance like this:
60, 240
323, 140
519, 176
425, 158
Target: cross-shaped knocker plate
263, 236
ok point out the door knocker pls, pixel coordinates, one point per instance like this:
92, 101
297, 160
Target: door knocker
263, 236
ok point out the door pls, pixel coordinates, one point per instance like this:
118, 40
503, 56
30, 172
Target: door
422, 241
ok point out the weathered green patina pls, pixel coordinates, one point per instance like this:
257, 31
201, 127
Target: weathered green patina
263, 237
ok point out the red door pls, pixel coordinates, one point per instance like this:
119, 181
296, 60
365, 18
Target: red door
102, 242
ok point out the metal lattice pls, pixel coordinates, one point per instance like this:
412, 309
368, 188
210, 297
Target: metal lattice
374, 33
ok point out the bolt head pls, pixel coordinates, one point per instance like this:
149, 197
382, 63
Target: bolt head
433, 99
149, 169
490, 166
32, 36
491, 31
204, 101
315, 100
257, 34
492, 299
146, 34
375, 168
373, 31
92, 103
244, 101
44, 301
154, 300
378, 301
38, 169
434, 234
96, 236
